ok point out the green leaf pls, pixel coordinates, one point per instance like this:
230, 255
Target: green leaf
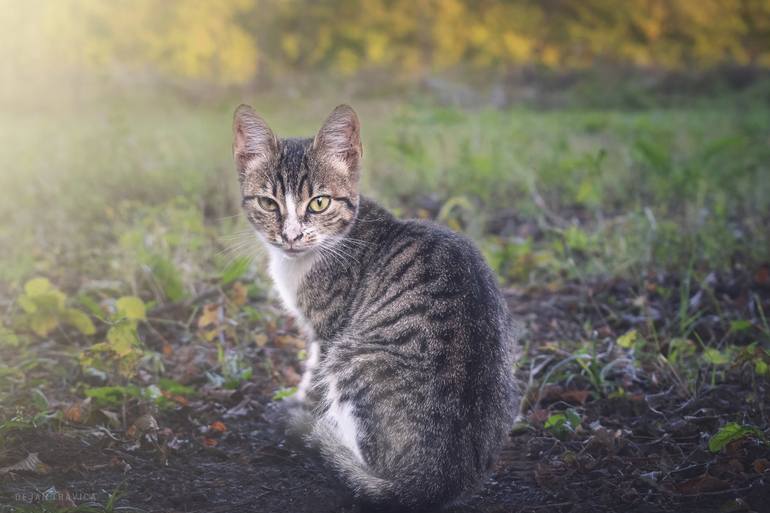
112, 395
554, 420
715, 356
760, 367
27, 304
122, 339
43, 324
169, 278
730, 433
284, 393
740, 325
627, 340
40, 400
37, 287
131, 307
175, 388
235, 270
79, 321
573, 418
8, 337
561, 424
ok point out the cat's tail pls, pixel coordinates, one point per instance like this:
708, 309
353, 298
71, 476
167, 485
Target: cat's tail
410, 492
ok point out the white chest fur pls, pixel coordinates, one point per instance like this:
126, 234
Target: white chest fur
287, 274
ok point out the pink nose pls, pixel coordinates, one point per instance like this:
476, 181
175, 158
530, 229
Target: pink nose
291, 237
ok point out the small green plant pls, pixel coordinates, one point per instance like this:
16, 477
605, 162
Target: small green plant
563, 424
45, 309
732, 432
284, 393
122, 349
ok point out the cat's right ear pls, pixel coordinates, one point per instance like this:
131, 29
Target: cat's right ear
254, 144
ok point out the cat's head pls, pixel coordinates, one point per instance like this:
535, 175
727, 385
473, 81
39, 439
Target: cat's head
299, 194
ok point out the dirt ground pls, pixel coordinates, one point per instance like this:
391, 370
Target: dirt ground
641, 451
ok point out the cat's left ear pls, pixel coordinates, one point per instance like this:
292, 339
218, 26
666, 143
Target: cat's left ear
340, 138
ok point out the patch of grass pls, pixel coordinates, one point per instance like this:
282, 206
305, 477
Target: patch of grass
136, 205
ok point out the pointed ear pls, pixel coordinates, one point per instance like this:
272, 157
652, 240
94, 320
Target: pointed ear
254, 144
340, 138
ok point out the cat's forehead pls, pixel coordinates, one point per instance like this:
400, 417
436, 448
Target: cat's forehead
293, 155
286, 173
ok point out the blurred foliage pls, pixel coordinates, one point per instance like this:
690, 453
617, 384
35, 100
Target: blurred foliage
234, 41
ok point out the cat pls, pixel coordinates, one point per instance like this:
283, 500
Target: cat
409, 377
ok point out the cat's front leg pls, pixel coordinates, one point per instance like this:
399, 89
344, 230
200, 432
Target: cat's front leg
296, 414
304, 390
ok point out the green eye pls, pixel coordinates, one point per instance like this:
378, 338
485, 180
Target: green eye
267, 204
319, 204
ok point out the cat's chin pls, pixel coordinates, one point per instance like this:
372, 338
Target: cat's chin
295, 253
291, 254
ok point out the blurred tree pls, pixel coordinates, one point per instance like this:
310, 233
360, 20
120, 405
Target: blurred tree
232, 41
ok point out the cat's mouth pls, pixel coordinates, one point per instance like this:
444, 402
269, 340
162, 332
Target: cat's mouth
291, 251
294, 252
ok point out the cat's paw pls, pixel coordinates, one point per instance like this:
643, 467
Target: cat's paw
291, 415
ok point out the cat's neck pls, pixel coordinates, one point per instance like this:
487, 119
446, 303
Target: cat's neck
288, 273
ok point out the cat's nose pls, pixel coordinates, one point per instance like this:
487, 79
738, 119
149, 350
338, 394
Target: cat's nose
291, 238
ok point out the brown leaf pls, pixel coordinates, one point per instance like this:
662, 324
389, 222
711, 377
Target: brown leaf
575, 396
218, 427
239, 293
701, 484
290, 376
210, 442
289, 341
144, 425
180, 399
762, 276
761, 465
551, 393
79, 412
209, 316
538, 416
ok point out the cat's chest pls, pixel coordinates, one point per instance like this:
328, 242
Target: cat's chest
288, 275
318, 298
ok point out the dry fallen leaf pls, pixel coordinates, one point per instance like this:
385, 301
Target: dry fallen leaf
210, 315
147, 426
538, 416
260, 339
289, 341
31, 463
761, 465
218, 427
575, 396
239, 293
762, 276
112, 417
79, 412
702, 484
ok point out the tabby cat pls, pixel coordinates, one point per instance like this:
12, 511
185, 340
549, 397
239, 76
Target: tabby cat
408, 383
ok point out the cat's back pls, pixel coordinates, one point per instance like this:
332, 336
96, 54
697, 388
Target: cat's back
421, 276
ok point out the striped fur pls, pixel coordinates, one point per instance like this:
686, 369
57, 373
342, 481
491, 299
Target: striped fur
411, 394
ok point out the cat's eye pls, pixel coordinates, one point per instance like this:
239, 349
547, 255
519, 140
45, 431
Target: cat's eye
267, 204
319, 204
